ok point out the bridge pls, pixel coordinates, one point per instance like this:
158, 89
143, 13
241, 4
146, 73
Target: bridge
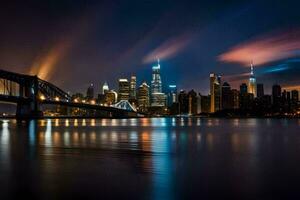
30, 92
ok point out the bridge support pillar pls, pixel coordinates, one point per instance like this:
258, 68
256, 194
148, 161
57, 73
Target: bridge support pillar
26, 110
30, 109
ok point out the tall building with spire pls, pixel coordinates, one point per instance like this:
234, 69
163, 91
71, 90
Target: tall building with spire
215, 92
252, 82
156, 85
158, 98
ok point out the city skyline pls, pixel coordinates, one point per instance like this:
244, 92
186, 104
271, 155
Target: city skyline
164, 87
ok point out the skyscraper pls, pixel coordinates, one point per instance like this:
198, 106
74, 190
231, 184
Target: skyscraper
252, 82
243, 88
205, 103
260, 90
246, 99
90, 92
123, 93
236, 98
295, 95
183, 100
227, 97
143, 97
172, 95
276, 98
192, 102
276, 93
215, 93
133, 87
105, 88
158, 98
294, 100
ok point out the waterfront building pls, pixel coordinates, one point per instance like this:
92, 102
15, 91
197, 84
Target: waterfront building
172, 95
158, 98
294, 100
205, 103
183, 101
90, 92
143, 98
243, 89
295, 95
215, 93
132, 94
236, 98
192, 103
276, 94
252, 82
123, 93
227, 97
260, 90
246, 99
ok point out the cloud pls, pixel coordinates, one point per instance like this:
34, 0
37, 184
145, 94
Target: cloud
265, 49
169, 48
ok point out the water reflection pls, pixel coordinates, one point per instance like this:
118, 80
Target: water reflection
4, 142
157, 155
162, 166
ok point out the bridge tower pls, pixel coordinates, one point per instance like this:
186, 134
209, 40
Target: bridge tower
28, 107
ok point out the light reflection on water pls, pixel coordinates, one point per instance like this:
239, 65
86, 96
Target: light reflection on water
157, 155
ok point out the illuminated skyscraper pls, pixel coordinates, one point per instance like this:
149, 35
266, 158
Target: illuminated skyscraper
252, 82
123, 93
172, 95
105, 88
215, 93
158, 98
133, 87
156, 85
143, 97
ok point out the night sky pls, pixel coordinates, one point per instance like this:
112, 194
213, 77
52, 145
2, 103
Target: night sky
73, 43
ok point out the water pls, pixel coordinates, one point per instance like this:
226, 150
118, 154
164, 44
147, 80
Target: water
158, 158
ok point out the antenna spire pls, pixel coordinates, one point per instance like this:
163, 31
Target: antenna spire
252, 67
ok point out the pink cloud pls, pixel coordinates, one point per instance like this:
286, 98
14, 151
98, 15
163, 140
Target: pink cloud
169, 48
267, 48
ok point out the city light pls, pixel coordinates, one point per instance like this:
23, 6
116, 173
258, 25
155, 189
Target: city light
42, 97
56, 98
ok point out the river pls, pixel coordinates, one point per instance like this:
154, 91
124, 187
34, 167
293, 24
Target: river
150, 158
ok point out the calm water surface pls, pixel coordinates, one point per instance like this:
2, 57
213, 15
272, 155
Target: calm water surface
158, 158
